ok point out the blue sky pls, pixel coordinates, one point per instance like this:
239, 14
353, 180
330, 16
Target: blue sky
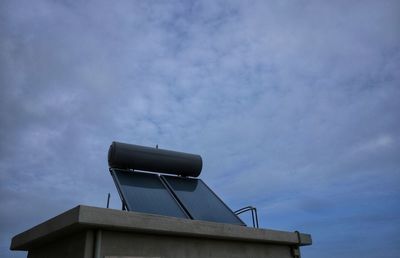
293, 105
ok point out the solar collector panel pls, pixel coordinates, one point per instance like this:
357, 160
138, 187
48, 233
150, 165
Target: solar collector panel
146, 192
200, 202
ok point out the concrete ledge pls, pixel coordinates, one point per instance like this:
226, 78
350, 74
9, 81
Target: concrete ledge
85, 217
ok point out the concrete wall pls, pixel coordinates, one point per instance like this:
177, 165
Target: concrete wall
133, 245
79, 245
90, 232
119, 244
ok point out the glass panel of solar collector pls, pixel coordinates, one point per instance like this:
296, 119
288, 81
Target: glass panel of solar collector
145, 192
200, 201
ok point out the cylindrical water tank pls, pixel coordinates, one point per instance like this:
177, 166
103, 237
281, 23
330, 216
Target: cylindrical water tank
130, 156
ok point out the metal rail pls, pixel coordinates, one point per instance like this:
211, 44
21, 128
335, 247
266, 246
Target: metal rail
253, 211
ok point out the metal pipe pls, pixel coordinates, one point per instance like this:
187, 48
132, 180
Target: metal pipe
255, 211
108, 200
254, 215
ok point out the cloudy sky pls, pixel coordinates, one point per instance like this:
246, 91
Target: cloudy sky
293, 105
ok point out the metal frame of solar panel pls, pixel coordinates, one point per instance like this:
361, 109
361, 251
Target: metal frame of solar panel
172, 196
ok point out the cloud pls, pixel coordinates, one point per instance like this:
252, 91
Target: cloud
381, 142
293, 106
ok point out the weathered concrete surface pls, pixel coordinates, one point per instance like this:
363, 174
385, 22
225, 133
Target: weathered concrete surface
138, 234
79, 245
137, 245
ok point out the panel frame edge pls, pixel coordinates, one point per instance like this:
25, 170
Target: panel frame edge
118, 185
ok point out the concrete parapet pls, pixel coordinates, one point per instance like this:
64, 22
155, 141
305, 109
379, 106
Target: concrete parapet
98, 232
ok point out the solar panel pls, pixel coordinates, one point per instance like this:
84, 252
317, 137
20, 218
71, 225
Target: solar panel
146, 192
176, 196
200, 201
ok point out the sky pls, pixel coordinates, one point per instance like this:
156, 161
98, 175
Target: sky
293, 105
